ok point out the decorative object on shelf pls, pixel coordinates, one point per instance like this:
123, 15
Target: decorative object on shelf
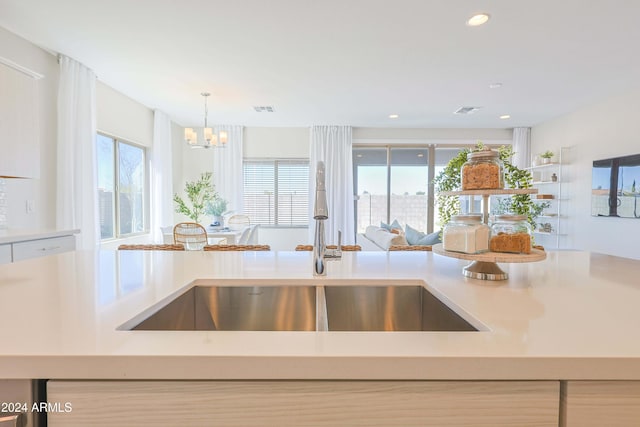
544, 196
546, 156
511, 233
467, 234
483, 170
217, 208
484, 266
199, 194
554, 177
210, 137
449, 180
546, 227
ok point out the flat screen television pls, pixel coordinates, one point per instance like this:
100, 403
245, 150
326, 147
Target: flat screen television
615, 188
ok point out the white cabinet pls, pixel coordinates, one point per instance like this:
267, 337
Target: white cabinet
16, 246
43, 247
5, 254
551, 181
296, 403
19, 132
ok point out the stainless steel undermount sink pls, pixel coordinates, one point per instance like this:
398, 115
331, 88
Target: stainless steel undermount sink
343, 306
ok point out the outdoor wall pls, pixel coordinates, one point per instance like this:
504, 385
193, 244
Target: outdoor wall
599, 131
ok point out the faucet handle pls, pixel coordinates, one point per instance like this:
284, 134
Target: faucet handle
331, 253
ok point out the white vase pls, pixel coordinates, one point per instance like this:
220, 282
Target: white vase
217, 221
546, 160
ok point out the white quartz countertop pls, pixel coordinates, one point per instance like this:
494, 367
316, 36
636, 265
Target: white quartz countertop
15, 235
575, 315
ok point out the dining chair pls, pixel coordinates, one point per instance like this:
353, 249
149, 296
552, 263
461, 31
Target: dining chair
192, 235
152, 247
410, 247
249, 235
237, 248
238, 221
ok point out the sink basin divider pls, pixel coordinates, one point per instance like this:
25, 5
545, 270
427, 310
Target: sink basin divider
322, 322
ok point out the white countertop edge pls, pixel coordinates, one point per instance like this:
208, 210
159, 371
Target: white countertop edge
15, 235
317, 368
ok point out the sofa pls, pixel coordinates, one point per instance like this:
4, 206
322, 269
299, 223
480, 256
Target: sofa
387, 235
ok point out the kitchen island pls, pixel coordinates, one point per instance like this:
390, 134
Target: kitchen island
557, 340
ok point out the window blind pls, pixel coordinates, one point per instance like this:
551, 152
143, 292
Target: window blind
276, 192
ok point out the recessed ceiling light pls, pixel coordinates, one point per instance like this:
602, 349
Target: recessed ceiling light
358, 155
393, 116
496, 85
420, 155
505, 116
478, 19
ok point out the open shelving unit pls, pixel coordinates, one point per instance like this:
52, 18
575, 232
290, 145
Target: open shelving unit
554, 216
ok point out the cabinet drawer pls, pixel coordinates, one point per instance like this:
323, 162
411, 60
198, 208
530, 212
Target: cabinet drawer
306, 403
43, 247
5, 254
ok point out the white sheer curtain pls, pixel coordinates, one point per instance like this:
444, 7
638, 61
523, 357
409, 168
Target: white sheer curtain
76, 192
333, 145
228, 176
161, 172
522, 147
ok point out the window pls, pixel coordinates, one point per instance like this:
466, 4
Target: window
396, 183
391, 183
122, 188
276, 192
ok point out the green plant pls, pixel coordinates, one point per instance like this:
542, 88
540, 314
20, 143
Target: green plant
216, 207
449, 180
547, 154
199, 194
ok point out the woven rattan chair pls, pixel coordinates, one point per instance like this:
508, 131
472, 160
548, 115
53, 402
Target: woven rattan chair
238, 222
152, 247
237, 248
347, 248
192, 235
410, 247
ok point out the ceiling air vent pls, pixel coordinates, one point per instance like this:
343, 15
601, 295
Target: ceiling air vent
264, 109
466, 110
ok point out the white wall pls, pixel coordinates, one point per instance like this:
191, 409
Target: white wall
430, 136
120, 116
602, 130
41, 190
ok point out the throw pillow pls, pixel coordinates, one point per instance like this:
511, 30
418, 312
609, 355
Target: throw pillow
415, 237
395, 225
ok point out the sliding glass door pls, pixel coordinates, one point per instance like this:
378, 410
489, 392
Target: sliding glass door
391, 183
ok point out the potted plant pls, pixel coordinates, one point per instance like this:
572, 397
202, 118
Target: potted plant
199, 194
217, 208
546, 156
449, 180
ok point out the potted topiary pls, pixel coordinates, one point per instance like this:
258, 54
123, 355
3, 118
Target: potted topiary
546, 156
199, 194
217, 208
449, 180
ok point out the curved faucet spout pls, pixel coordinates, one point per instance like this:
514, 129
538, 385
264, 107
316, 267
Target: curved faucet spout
320, 214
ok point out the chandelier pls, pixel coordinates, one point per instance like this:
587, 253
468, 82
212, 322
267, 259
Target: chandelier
210, 138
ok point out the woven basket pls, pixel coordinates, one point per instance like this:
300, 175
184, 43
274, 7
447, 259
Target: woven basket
410, 247
152, 247
237, 248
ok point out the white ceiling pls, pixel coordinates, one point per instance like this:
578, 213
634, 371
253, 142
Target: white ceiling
348, 62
